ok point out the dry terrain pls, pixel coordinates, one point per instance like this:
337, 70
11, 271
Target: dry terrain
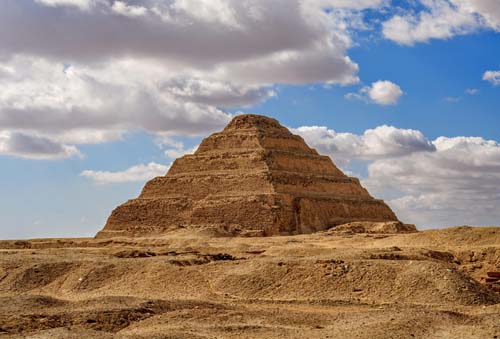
339, 284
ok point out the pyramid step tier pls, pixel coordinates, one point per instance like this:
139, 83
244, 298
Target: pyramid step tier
215, 182
253, 139
271, 159
272, 214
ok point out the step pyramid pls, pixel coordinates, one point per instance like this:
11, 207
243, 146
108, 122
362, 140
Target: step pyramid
254, 177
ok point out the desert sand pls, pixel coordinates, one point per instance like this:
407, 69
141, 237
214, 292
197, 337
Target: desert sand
190, 284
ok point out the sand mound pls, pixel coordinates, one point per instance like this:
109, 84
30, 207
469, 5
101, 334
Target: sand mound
338, 284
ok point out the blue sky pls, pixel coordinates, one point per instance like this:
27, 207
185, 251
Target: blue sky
414, 111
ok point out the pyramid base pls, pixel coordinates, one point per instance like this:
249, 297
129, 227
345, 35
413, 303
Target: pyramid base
262, 214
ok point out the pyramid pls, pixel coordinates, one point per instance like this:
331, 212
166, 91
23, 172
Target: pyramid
253, 178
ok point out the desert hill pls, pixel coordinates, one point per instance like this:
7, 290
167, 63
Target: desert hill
332, 284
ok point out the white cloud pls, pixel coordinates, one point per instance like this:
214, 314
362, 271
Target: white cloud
222, 94
82, 4
443, 19
34, 147
382, 92
385, 92
356, 96
78, 104
174, 153
210, 11
88, 136
492, 76
139, 172
123, 8
380, 142
194, 34
453, 185
160, 66
488, 10
172, 148
471, 91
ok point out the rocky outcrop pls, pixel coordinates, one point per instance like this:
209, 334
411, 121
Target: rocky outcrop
253, 178
384, 227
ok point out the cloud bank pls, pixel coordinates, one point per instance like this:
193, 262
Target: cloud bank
106, 67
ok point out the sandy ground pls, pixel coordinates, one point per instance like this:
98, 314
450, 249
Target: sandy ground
325, 285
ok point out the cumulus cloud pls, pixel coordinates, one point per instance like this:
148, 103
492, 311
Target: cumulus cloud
196, 34
104, 100
34, 147
139, 172
385, 92
221, 94
160, 66
492, 76
488, 10
382, 92
442, 19
453, 185
380, 142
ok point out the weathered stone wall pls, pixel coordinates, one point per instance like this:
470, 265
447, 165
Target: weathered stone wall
320, 213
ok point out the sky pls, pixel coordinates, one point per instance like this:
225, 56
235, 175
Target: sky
99, 96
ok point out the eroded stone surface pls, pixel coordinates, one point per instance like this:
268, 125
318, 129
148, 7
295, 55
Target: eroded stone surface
254, 177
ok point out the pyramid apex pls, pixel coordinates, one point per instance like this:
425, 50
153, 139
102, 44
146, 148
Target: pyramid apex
247, 121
